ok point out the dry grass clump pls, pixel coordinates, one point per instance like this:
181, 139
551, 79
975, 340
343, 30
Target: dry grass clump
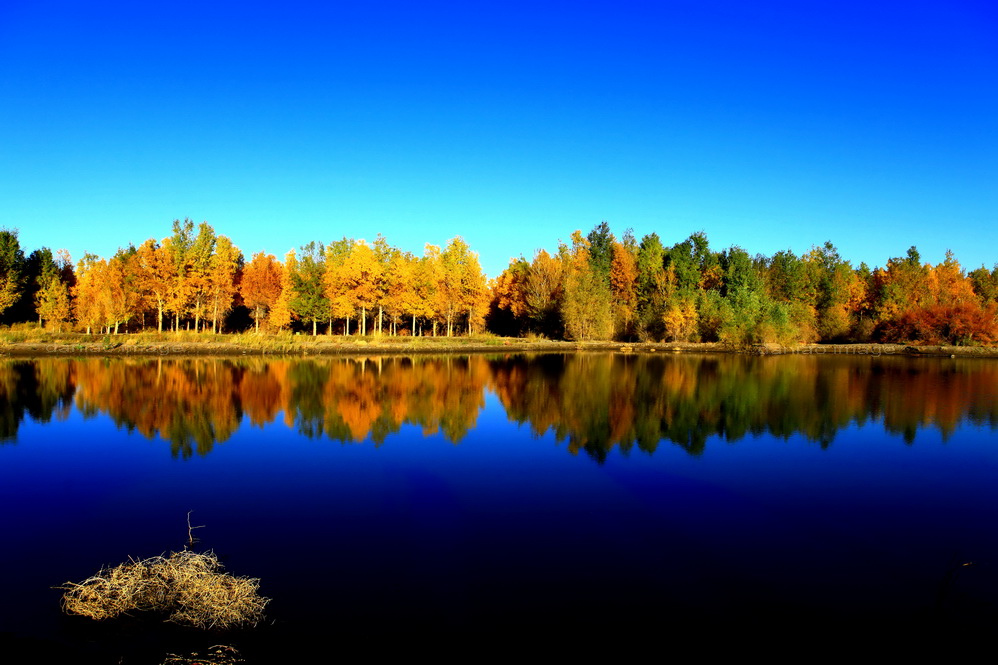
188, 586
220, 654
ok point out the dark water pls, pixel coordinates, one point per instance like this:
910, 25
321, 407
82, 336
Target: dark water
553, 500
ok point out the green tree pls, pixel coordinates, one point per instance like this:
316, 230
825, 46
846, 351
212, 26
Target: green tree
601, 243
308, 300
52, 298
12, 269
177, 249
334, 281
586, 307
198, 281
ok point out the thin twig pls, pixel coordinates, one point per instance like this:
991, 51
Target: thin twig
190, 530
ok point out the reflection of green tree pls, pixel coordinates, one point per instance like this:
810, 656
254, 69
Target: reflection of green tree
600, 401
307, 380
36, 388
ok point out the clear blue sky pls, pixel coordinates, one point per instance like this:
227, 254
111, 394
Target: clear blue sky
770, 125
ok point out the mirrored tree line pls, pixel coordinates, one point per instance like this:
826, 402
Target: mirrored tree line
594, 403
595, 287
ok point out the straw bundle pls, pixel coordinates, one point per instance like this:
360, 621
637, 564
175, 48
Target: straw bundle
188, 586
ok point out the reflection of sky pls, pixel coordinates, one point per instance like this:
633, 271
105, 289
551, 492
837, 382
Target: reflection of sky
468, 528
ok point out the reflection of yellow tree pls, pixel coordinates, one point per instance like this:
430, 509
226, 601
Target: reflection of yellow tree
361, 397
263, 391
189, 402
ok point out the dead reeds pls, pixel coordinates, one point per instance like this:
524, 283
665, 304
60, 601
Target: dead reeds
189, 587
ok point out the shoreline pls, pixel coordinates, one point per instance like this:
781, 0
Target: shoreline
193, 344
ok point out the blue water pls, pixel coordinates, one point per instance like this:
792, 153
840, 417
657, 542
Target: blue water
510, 529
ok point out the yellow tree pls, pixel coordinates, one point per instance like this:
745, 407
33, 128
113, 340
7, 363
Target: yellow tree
509, 298
86, 293
361, 281
543, 292
260, 286
222, 271
623, 285
903, 286
399, 285
463, 289
120, 298
281, 313
155, 276
429, 286
948, 285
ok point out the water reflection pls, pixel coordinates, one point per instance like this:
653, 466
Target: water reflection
40, 390
594, 402
598, 402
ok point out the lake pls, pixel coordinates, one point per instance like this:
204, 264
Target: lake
581, 497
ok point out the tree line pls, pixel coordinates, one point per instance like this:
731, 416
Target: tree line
596, 287
194, 279
599, 287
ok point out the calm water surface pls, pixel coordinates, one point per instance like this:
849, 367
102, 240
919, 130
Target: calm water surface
506, 495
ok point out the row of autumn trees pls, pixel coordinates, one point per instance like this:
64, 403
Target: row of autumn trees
595, 288
194, 279
599, 287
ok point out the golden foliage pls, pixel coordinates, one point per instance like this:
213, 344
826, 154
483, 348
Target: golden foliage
680, 320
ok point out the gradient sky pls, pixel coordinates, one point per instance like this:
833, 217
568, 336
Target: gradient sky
770, 125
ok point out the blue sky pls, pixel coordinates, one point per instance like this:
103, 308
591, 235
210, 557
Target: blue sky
770, 125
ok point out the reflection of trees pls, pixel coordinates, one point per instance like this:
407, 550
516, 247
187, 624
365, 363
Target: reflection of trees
594, 402
196, 402
193, 403
598, 401
39, 389
361, 397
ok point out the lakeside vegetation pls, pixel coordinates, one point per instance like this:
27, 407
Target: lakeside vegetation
596, 288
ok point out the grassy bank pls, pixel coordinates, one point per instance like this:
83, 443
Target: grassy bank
34, 342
